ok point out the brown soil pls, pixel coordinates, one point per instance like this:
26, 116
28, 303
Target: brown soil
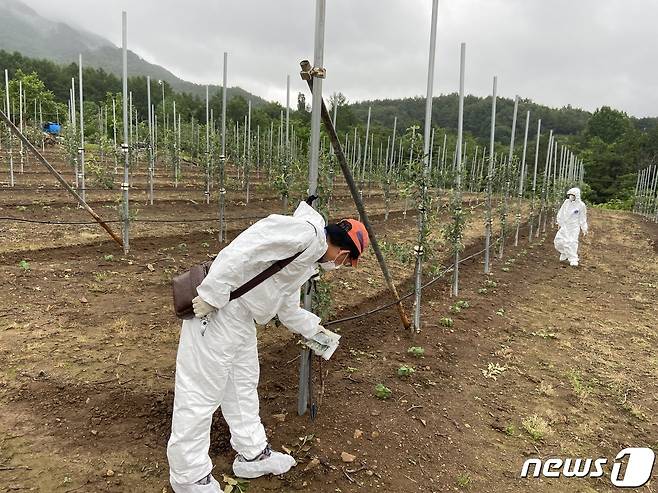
88, 346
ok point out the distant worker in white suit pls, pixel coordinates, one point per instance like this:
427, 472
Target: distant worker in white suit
217, 363
572, 219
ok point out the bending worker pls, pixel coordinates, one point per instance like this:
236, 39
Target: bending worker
217, 361
572, 219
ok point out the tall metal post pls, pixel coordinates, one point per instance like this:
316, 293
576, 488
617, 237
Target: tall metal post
150, 141
521, 180
503, 228
10, 152
81, 150
126, 149
114, 133
534, 183
20, 121
287, 149
207, 153
305, 375
222, 158
458, 180
492, 161
365, 151
247, 165
422, 205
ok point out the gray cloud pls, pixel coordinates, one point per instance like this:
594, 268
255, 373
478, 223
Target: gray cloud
585, 53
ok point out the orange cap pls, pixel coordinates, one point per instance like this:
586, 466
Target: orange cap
358, 234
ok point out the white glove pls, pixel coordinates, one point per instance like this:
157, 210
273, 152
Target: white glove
201, 308
323, 343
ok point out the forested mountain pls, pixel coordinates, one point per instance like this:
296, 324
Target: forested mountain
25, 31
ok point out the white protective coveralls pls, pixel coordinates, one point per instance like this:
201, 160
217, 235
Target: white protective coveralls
572, 219
217, 361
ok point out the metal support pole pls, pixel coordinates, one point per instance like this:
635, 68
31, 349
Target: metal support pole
422, 206
305, 395
81, 150
492, 158
503, 228
534, 182
150, 141
126, 150
521, 180
458, 181
10, 151
222, 158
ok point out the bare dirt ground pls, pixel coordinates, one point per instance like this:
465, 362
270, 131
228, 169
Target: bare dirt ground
546, 361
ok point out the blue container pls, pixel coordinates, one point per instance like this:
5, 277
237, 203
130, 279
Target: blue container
52, 128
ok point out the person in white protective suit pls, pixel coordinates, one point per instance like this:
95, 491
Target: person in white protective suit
572, 219
217, 361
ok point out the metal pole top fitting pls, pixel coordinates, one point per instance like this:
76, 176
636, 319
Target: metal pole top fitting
308, 72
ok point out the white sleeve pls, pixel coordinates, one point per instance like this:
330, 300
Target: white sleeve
254, 250
298, 320
560, 215
583, 219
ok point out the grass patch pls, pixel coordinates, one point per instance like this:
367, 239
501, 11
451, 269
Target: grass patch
464, 480
536, 426
581, 389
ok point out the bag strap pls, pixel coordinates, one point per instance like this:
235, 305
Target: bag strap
269, 272
266, 274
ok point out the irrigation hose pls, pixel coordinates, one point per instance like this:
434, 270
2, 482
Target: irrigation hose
406, 296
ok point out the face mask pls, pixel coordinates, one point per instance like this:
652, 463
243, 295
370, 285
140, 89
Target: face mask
331, 264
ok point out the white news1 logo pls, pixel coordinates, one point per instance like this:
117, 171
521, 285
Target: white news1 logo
639, 464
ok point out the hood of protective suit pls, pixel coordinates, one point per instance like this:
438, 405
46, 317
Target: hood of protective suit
273, 238
305, 211
574, 191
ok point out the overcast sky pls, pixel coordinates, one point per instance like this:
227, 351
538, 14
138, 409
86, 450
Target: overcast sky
586, 53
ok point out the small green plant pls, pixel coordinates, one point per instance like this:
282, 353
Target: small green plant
24, 264
101, 276
463, 304
505, 269
483, 290
351, 369
455, 309
416, 351
446, 322
382, 392
21, 208
464, 480
182, 246
510, 430
581, 389
536, 427
205, 245
108, 258
405, 371
500, 312
489, 283
402, 253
